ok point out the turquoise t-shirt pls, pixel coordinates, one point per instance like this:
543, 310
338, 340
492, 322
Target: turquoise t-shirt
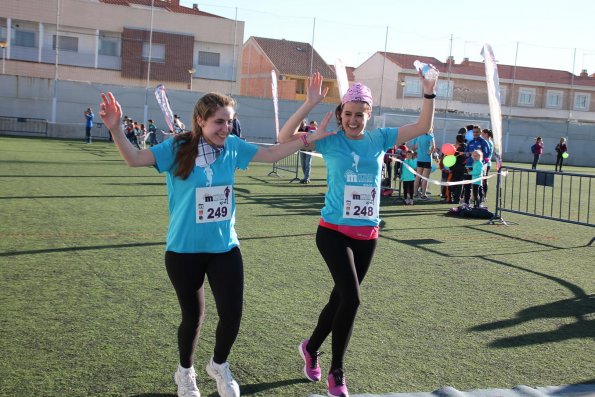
477, 171
491, 144
406, 174
355, 167
202, 206
424, 143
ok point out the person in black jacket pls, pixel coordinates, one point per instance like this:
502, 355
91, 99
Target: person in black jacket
458, 169
561, 148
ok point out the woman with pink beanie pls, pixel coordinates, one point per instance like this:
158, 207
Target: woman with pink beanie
348, 229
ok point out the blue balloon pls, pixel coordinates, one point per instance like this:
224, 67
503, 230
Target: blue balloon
469, 136
433, 166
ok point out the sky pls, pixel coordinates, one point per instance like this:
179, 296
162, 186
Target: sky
542, 34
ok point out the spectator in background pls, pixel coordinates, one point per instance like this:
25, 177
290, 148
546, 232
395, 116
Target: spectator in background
457, 171
488, 135
152, 131
561, 148
305, 158
407, 177
537, 150
236, 128
389, 160
424, 146
477, 143
401, 151
477, 171
88, 124
469, 133
179, 127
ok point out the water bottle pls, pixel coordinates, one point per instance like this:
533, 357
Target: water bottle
426, 71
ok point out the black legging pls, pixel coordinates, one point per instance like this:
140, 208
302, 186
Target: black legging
485, 181
226, 279
559, 161
455, 193
348, 261
408, 189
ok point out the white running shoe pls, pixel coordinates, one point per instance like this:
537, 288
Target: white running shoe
185, 378
226, 385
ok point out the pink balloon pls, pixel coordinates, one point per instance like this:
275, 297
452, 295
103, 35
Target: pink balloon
448, 149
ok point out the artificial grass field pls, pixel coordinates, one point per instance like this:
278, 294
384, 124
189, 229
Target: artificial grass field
88, 310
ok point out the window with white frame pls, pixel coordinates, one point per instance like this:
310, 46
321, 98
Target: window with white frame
412, 86
109, 46
527, 97
24, 38
156, 50
65, 43
206, 58
444, 89
582, 101
503, 94
554, 99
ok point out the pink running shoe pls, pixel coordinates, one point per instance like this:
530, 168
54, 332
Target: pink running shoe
311, 366
336, 383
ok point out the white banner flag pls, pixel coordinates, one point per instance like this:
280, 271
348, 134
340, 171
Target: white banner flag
275, 103
163, 102
342, 80
493, 82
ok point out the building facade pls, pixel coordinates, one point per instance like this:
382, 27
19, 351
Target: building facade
292, 61
524, 91
124, 42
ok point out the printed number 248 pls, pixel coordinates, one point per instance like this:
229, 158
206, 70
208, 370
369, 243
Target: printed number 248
363, 211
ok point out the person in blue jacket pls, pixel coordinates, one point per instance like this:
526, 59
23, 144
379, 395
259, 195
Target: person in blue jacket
348, 229
88, 124
201, 240
477, 143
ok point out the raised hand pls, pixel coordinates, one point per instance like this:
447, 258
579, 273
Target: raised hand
429, 85
321, 132
315, 91
111, 111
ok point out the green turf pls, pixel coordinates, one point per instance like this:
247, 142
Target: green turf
88, 310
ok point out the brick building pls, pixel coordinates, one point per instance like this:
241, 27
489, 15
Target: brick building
121, 42
292, 61
524, 91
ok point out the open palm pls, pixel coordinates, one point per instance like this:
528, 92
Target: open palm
111, 111
315, 91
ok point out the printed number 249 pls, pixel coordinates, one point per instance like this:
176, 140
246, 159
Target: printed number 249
219, 212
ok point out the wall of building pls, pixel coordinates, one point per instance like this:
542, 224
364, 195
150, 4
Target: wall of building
184, 34
31, 97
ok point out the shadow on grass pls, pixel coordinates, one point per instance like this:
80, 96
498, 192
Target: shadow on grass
305, 204
580, 308
83, 248
155, 395
245, 390
136, 184
261, 387
80, 176
130, 245
81, 196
